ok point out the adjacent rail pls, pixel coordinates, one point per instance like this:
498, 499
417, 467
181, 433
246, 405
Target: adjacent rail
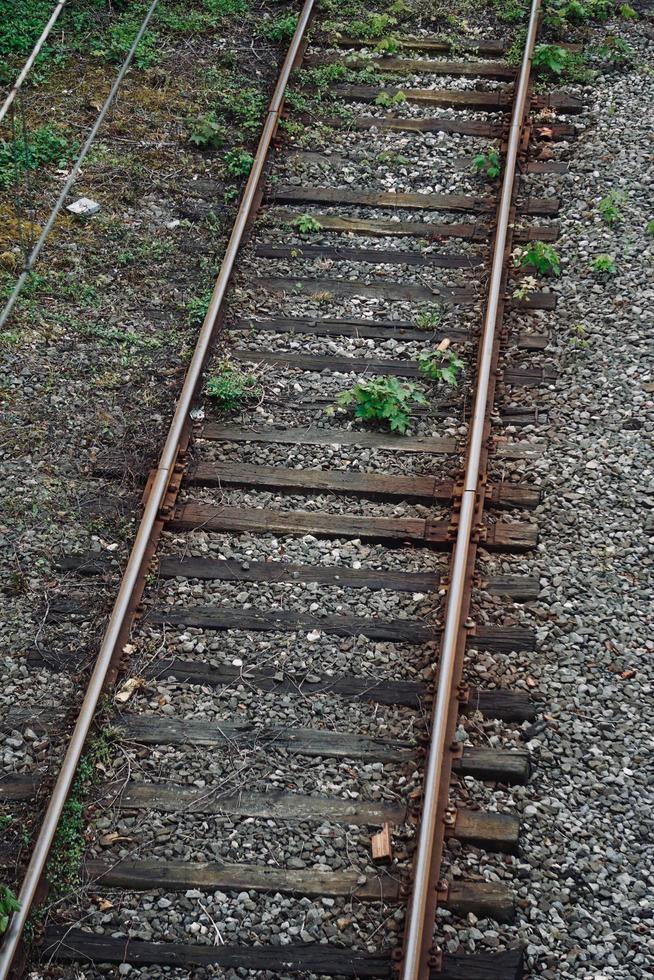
418, 937
150, 524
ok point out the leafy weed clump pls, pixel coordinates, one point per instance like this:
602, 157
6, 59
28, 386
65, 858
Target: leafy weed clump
44, 146
306, 223
542, 256
386, 400
488, 163
609, 207
8, 904
442, 365
231, 388
280, 29
604, 264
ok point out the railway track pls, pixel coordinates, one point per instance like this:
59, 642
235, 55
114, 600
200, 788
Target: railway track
295, 635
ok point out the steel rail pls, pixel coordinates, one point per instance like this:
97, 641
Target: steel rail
414, 966
162, 475
72, 177
27, 67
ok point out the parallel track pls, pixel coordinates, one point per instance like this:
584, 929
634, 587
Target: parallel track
178, 501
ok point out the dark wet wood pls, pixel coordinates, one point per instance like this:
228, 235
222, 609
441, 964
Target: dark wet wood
503, 704
494, 765
18, 787
273, 805
182, 875
492, 831
444, 98
378, 329
520, 588
498, 101
436, 124
546, 206
432, 124
515, 536
317, 363
330, 437
419, 66
481, 48
497, 638
155, 730
442, 260
374, 486
478, 232
389, 291
490, 764
290, 621
507, 705
69, 945
273, 572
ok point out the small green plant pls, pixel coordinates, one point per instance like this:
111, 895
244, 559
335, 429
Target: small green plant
207, 131
488, 163
649, 227
32, 150
429, 318
542, 256
510, 11
603, 263
628, 12
372, 28
386, 101
8, 904
280, 29
384, 399
527, 286
550, 58
613, 53
238, 162
196, 308
578, 339
387, 45
442, 365
232, 388
609, 206
306, 223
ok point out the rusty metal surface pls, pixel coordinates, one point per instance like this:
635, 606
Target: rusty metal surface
151, 522
418, 956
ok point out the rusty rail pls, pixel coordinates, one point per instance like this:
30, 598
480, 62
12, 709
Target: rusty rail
418, 956
111, 646
27, 67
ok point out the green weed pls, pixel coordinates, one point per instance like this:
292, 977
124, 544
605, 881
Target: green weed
609, 206
280, 29
613, 53
29, 151
510, 11
550, 58
542, 256
8, 904
488, 163
385, 400
386, 101
429, 318
232, 388
69, 844
604, 263
442, 365
238, 162
306, 223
